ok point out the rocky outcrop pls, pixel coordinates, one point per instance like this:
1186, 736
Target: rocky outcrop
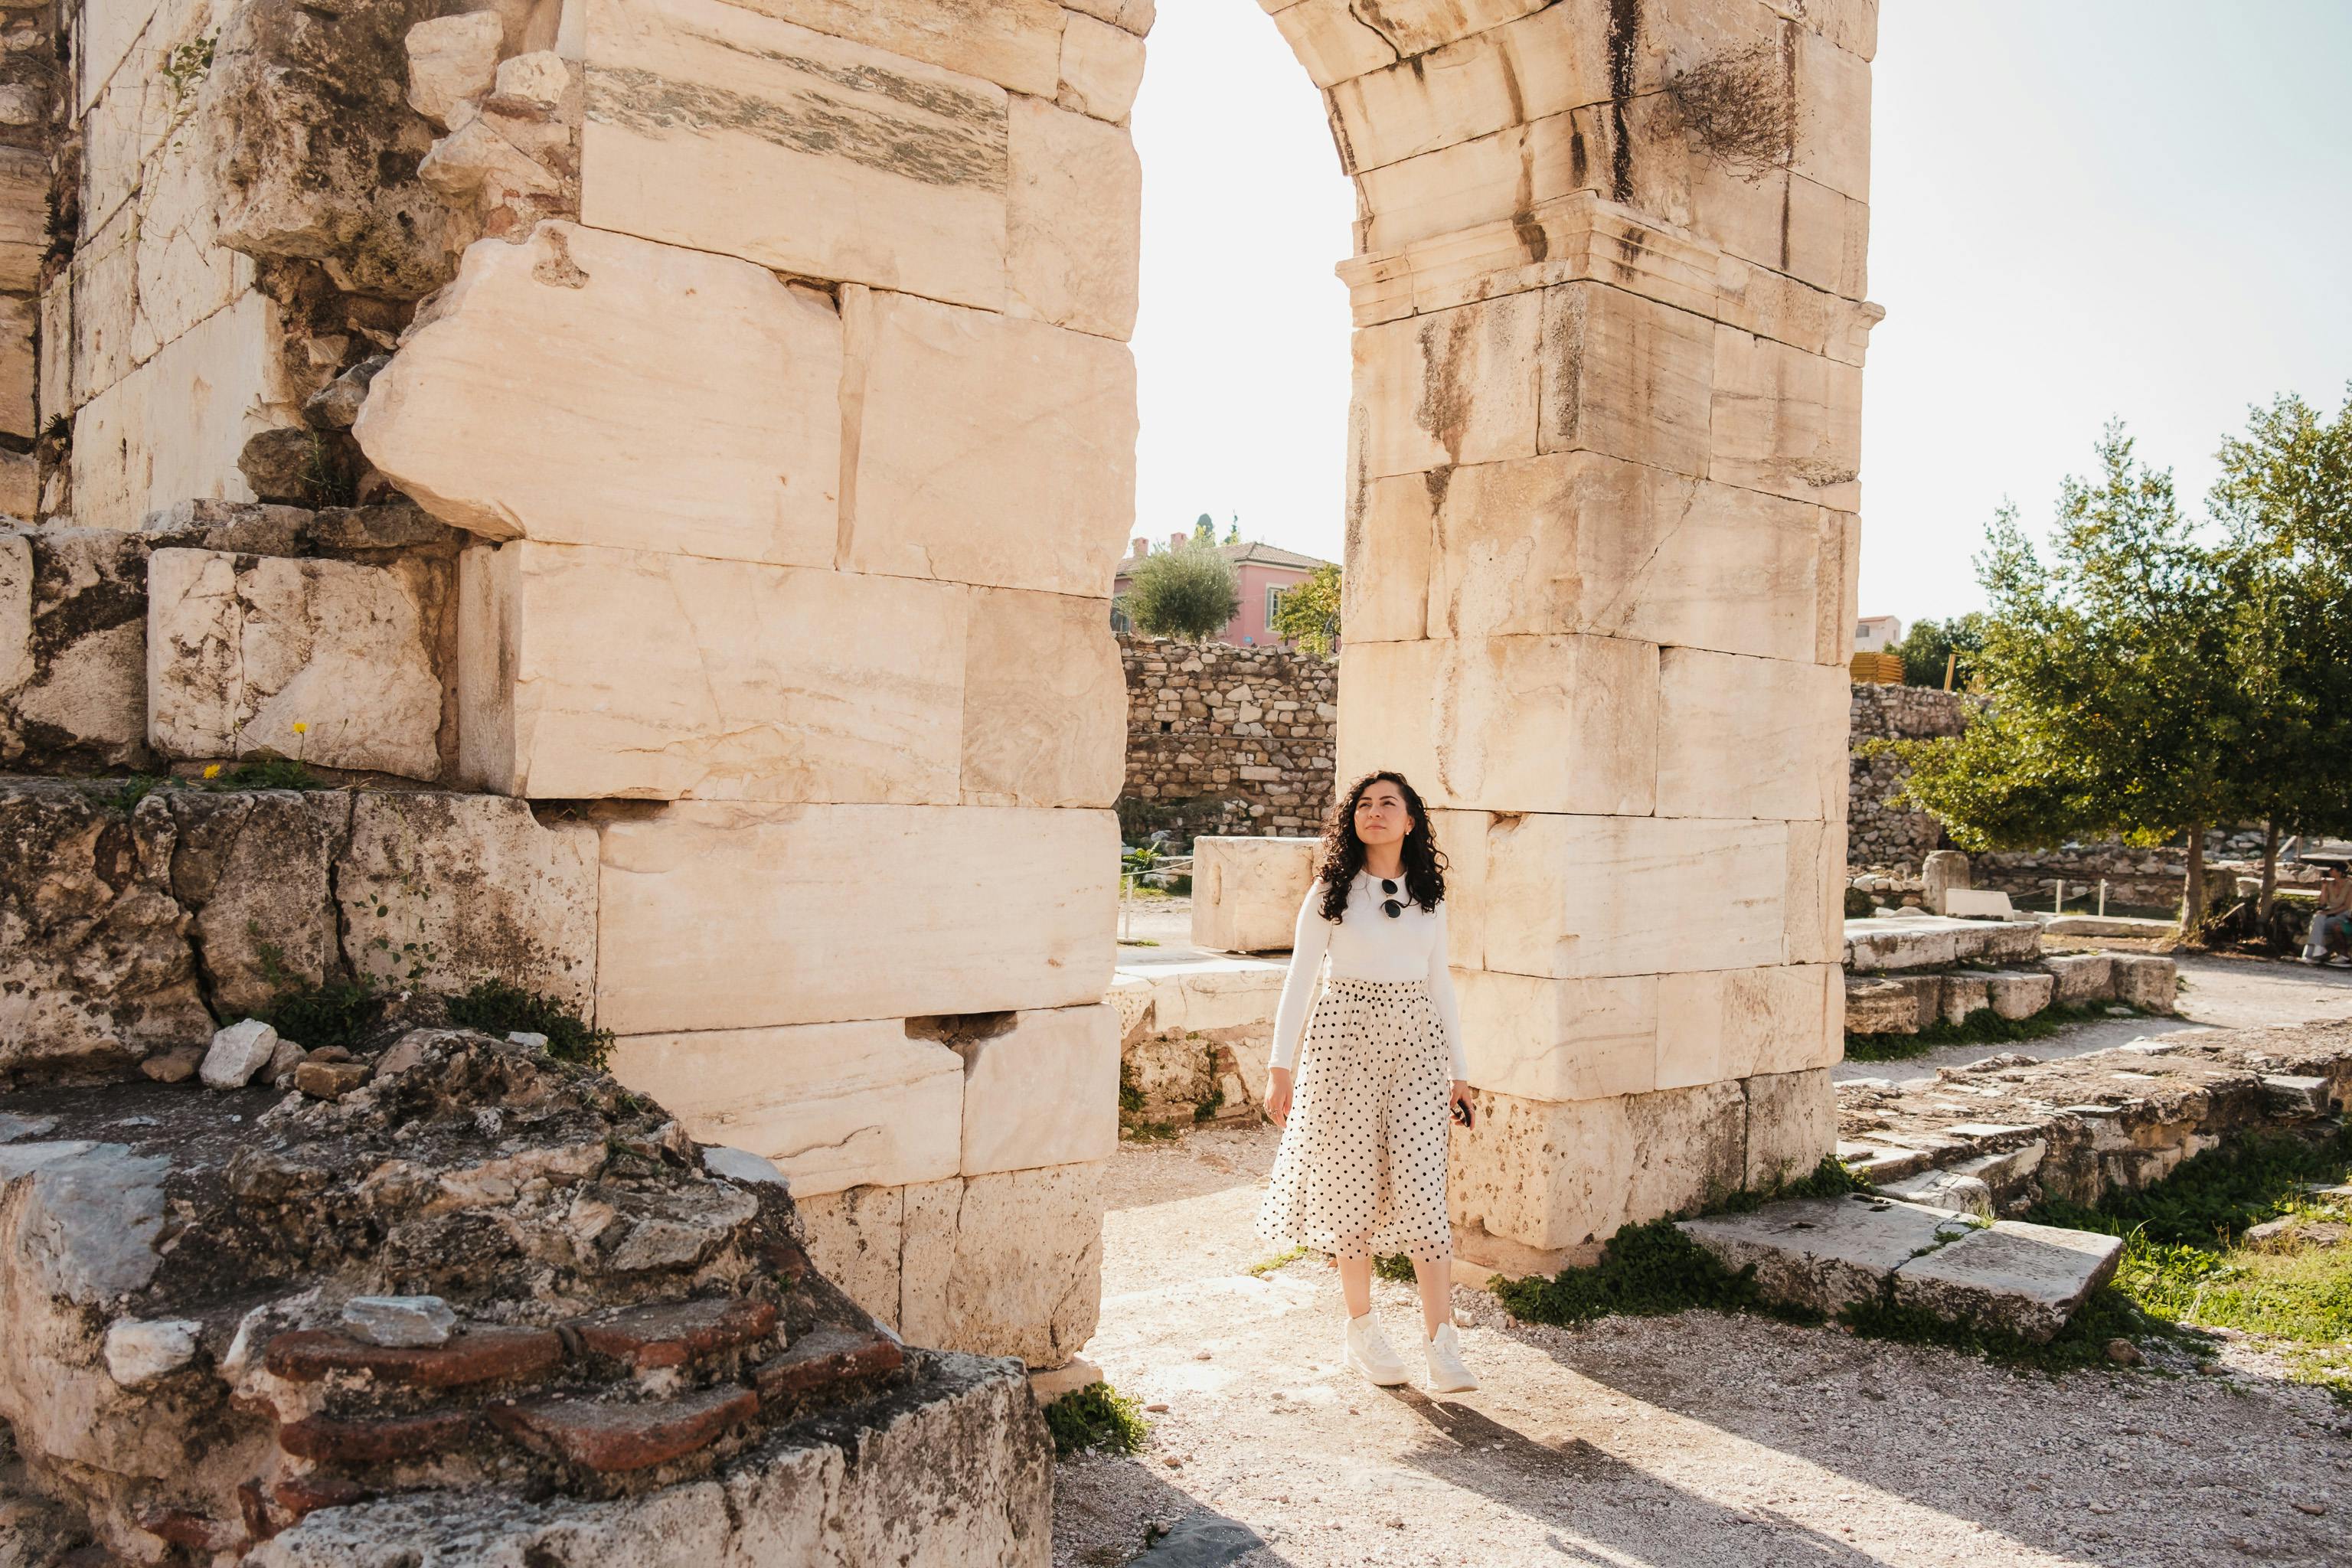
129, 926
195, 1362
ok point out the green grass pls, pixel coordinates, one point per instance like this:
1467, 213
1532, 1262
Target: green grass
1650, 1270
1283, 1259
1983, 1026
497, 1008
1394, 1266
268, 772
1096, 1416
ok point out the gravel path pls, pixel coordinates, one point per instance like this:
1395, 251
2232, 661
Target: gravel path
1700, 1440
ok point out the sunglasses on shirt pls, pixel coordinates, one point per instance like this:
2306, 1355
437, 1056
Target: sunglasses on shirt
1390, 906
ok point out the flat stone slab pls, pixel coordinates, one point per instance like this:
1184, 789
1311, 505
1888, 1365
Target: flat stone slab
2107, 925
1933, 942
1825, 1253
2026, 1279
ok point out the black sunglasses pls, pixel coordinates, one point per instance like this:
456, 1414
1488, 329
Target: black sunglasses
1392, 908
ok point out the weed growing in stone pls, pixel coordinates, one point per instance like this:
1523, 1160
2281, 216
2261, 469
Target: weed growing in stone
337, 1013
1394, 1266
497, 1008
1650, 1270
126, 795
1266, 1266
1131, 1098
267, 772
1096, 1416
1983, 1026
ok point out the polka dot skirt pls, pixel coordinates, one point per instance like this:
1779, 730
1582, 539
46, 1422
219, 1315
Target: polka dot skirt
1361, 1171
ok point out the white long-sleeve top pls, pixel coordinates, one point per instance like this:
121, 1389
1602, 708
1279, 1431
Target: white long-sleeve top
1366, 945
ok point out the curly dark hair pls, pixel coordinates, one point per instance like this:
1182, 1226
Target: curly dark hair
1343, 852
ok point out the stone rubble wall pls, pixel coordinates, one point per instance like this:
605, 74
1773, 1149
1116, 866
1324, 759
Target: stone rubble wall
1227, 739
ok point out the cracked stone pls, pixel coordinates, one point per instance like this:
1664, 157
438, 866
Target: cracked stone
399, 1321
619, 1438
678, 1333
237, 1053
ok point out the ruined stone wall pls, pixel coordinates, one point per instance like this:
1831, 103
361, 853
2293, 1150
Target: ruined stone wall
1227, 739
1876, 833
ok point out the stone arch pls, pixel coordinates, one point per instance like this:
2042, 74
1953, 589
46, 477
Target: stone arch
1601, 495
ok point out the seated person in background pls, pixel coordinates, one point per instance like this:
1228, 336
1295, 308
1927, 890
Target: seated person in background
2333, 918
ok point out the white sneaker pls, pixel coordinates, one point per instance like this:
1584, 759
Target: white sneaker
1370, 1353
1448, 1371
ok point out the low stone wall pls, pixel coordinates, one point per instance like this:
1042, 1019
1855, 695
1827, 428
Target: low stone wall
2081, 1127
1876, 833
1227, 739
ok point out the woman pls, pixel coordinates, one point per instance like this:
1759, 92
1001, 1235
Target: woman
1361, 1170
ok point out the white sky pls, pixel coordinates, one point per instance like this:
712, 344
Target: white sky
2081, 209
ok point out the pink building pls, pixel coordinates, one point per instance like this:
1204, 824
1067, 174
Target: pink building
1263, 572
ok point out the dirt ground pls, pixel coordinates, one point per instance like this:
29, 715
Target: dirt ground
1702, 1439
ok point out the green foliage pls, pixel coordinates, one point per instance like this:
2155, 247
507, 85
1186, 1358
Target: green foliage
187, 65
1096, 1416
497, 1008
1189, 593
2214, 1196
1830, 1179
125, 796
1982, 1027
1309, 614
1925, 646
1131, 1098
1394, 1266
336, 1013
1266, 1266
1645, 1271
2080, 1345
266, 771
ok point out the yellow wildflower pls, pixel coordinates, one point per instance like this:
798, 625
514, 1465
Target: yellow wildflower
212, 770
302, 729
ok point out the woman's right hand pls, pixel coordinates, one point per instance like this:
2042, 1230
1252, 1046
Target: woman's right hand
1277, 1096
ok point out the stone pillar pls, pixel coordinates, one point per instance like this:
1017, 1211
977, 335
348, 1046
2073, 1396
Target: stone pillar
800, 461
1602, 548
1944, 870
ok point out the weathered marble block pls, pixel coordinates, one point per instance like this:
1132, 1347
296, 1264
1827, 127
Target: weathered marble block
720, 917
1576, 897
1785, 421
1750, 737
832, 1105
1448, 388
975, 429
1330, 40
1045, 701
1516, 723
1629, 377
1102, 66
1739, 1023
1074, 212
590, 388
441, 891
1549, 1039
256, 872
871, 167
1246, 891
1011, 1262
1014, 43
1579, 541
241, 648
1040, 1087
1792, 1124
73, 649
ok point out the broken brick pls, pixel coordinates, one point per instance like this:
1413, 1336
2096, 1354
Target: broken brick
482, 1353
305, 1495
825, 1360
386, 1441
181, 1527
677, 1333
612, 1438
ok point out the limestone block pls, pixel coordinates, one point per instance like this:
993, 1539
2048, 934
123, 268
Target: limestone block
20, 485
1851, 25
1548, 63
1901, 1005
1943, 870
1494, 178
443, 890
854, 1239
1964, 994
20, 322
145, 442
1102, 66
1512, 723
1584, 896
24, 215
587, 388
1136, 15
990, 450
450, 60
1739, 1023
745, 682
1448, 388
2018, 994
1833, 133
1976, 903
872, 167
2145, 981
255, 871
1827, 241
1044, 1092
1785, 421
1632, 378
1553, 1176
237, 1053
1073, 216
1011, 1264
2025, 1279
2081, 977
1014, 43
1750, 737
810, 914
1416, 27
1548, 1040
1246, 891
1044, 700
240, 648
184, 273
832, 1105
73, 649
1825, 1253
1330, 40
95, 969
1791, 1126
1583, 542
1216, 993
1816, 895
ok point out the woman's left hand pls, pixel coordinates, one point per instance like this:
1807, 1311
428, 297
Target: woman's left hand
1459, 1095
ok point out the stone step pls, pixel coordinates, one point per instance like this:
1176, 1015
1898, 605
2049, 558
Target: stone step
385, 1440
675, 1333
829, 1362
612, 1438
481, 1354
1829, 1253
